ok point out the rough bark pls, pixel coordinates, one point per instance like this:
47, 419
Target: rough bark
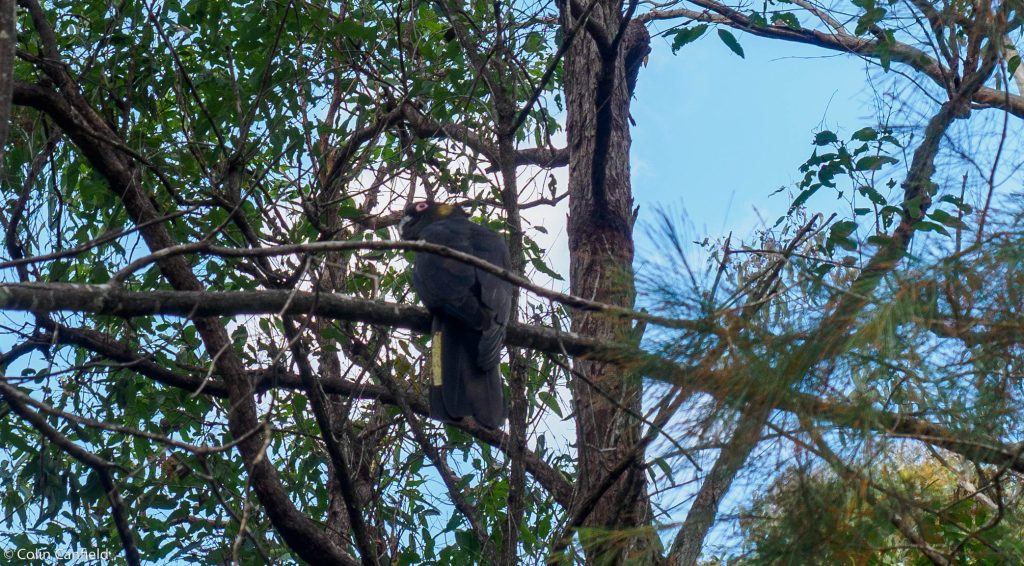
600, 230
8, 41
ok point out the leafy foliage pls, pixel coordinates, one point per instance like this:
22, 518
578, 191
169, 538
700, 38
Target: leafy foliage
815, 517
839, 339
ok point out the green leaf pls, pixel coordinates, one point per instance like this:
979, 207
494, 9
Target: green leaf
925, 226
684, 36
839, 235
822, 269
872, 15
666, 469
354, 29
874, 162
756, 20
955, 201
843, 228
890, 212
873, 195
885, 44
827, 173
913, 207
1012, 64
865, 134
803, 196
468, 542
534, 42
549, 400
540, 266
825, 137
453, 522
729, 40
787, 19
348, 210
946, 219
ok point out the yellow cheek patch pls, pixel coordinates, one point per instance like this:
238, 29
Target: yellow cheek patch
435, 359
444, 209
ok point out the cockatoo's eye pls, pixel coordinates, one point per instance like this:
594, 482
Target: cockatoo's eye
421, 206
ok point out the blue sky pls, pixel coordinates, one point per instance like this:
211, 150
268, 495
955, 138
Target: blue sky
717, 144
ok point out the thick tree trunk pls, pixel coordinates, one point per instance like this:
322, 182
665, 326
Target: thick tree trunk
600, 231
8, 41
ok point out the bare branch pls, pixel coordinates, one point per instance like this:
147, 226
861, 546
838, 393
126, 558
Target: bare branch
425, 127
420, 246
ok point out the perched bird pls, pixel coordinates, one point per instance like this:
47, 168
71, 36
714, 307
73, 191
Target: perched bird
470, 308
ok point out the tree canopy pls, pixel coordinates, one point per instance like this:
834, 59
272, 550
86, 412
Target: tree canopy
211, 353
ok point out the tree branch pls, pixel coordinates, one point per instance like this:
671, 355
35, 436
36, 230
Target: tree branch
426, 127
98, 300
264, 380
834, 327
419, 246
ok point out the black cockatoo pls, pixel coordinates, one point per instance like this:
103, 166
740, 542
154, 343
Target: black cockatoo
471, 310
